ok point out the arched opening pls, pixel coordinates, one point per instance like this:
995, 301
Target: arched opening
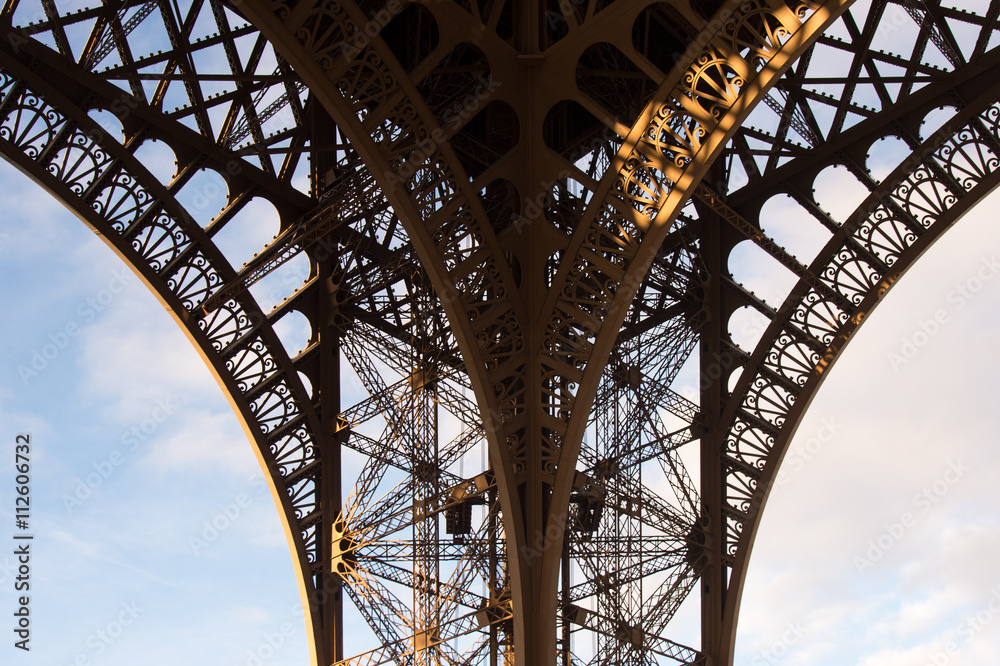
159, 160
759, 273
204, 195
838, 192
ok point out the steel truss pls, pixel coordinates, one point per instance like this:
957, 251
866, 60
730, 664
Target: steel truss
515, 222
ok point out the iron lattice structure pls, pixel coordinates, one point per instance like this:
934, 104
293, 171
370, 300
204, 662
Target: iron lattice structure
516, 222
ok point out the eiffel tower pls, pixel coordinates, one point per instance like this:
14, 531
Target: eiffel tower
514, 229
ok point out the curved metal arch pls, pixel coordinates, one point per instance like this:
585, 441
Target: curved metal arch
942, 179
640, 183
681, 132
394, 262
48, 134
386, 264
373, 100
728, 71
636, 134
673, 145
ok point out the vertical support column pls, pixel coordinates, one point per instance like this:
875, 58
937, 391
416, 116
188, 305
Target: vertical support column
714, 375
330, 596
535, 562
330, 583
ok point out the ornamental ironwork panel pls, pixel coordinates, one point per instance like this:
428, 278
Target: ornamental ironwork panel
509, 227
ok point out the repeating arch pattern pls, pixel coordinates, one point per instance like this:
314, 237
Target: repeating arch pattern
943, 178
664, 154
424, 224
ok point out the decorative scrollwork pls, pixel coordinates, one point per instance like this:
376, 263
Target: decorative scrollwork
292, 452
302, 492
642, 186
768, 401
499, 340
884, 235
886, 230
80, 163
195, 280
615, 239
850, 275
100, 177
226, 324
968, 158
30, 123
758, 32
325, 33
368, 83
675, 134
923, 196
251, 364
714, 83
819, 317
122, 200
159, 241
274, 408
791, 358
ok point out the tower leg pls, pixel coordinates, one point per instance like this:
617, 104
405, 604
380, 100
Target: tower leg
714, 378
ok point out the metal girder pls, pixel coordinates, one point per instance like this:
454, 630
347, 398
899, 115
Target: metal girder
513, 225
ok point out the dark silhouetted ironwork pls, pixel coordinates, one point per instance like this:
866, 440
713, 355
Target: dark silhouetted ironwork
508, 227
